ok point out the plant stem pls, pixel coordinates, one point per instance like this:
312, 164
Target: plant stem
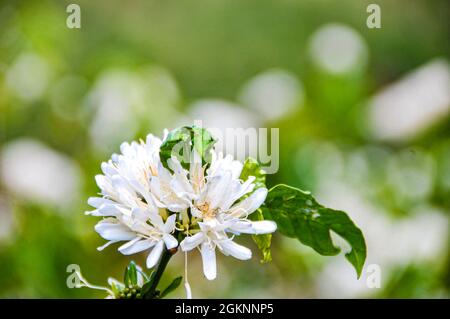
157, 274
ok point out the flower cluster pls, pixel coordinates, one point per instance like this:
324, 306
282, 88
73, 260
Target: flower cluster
155, 206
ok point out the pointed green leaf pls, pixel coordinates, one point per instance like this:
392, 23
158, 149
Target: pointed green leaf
145, 291
262, 241
203, 143
300, 216
173, 285
252, 168
130, 275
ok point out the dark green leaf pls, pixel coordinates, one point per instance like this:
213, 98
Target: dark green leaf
203, 143
176, 143
300, 216
179, 143
130, 276
173, 285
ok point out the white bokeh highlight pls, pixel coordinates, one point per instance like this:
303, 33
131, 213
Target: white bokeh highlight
28, 77
409, 106
273, 94
33, 171
222, 118
338, 49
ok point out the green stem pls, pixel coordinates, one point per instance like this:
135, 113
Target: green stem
157, 274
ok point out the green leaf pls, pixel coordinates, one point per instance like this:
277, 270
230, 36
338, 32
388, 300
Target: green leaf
262, 241
252, 168
130, 275
203, 142
180, 141
173, 285
177, 142
300, 216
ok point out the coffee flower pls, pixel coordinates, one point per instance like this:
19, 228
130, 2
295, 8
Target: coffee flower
128, 206
219, 203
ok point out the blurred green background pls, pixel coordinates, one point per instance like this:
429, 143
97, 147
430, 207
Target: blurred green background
363, 117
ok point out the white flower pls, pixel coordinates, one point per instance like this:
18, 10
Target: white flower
217, 205
128, 206
143, 201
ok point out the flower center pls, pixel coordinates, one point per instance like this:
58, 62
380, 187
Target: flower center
207, 212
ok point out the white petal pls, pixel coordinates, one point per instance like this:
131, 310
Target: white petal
180, 173
250, 204
99, 201
135, 246
214, 226
94, 212
108, 168
155, 254
217, 189
170, 241
140, 214
257, 227
196, 174
156, 220
126, 194
170, 223
138, 187
247, 186
209, 261
114, 231
236, 191
264, 227
140, 226
101, 212
125, 148
244, 227
191, 242
177, 207
102, 182
109, 210
229, 247
236, 168
196, 212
